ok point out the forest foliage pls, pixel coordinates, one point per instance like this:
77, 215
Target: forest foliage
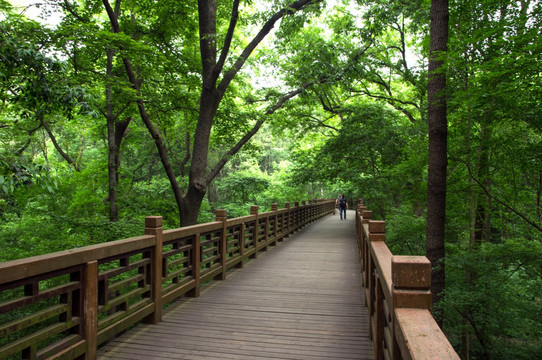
333, 99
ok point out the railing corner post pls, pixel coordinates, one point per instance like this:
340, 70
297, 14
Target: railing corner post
153, 226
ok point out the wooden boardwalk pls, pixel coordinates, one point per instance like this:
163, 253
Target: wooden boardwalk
299, 300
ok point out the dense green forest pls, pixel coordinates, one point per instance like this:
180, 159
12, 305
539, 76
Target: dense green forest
115, 110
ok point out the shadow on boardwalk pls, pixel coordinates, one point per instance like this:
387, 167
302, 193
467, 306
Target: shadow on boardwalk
299, 300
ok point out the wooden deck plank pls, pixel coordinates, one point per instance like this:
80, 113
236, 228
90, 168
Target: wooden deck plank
300, 300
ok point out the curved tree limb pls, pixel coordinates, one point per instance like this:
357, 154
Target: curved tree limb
58, 147
214, 172
135, 82
227, 41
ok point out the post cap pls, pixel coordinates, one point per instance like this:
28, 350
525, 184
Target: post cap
411, 272
153, 221
377, 227
221, 214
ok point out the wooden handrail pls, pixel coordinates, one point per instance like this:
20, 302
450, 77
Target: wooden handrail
398, 298
65, 304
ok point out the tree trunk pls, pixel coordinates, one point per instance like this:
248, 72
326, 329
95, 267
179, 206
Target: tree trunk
197, 176
112, 168
189, 203
538, 195
437, 161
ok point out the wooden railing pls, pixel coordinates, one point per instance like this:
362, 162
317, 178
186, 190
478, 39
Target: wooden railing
398, 297
64, 305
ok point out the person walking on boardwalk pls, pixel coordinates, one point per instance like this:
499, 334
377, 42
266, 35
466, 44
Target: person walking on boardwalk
343, 205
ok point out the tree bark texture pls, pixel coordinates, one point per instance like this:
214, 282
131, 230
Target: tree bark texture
437, 160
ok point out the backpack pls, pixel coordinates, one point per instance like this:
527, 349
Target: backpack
342, 202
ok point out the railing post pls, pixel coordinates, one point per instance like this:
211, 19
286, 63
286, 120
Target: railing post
153, 226
296, 216
286, 224
91, 309
361, 239
222, 215
256, 235
377, 232
411, 283
367, 216
241, 246
274, 209
304, 213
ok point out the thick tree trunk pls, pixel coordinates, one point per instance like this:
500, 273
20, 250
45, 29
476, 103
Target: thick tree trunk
437, 162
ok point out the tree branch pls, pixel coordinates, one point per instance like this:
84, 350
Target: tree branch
157, 138
287, 97
393, 102
486, 191
184, 161
266, 28
227, 41
320, 122
57, 146
214, 172
69, 8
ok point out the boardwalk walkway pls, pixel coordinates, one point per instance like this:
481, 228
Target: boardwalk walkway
300, 300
